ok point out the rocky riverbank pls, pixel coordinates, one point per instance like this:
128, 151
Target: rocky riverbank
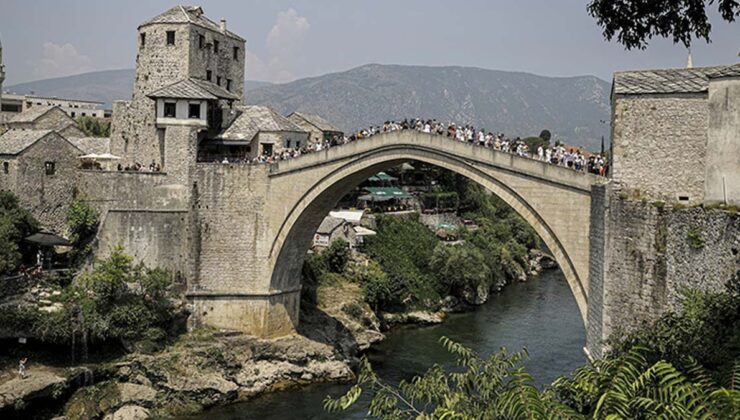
207, 368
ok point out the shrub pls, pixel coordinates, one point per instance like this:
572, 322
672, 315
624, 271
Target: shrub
16, 223
93, 127
696, 238
336, 256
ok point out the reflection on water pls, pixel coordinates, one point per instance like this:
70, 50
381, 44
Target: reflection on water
540, 315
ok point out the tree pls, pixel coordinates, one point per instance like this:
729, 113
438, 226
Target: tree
624, 387
546, 135
16, 223
93, 127
336, 256
458, 268
635, 22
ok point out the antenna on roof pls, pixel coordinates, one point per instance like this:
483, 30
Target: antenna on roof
689, 61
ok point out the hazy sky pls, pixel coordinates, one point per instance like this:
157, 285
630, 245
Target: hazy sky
293, 39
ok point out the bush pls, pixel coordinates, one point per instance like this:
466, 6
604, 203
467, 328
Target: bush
16, 223
458, 268
93, 127
336, 256
114, 301
707, 330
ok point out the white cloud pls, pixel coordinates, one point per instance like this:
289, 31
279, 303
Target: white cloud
61, 60
284, 43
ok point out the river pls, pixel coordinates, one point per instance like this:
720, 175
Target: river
540, 315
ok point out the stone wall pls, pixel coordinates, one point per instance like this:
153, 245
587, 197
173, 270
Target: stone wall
723, 142
231, 228
47, 196
158, 238
659, 145
645, 257
221, 64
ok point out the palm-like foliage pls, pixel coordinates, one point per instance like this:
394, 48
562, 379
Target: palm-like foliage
623, 387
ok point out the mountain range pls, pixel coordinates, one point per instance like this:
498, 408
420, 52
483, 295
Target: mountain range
516, 103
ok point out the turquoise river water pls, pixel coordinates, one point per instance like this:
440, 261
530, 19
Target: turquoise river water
540, 315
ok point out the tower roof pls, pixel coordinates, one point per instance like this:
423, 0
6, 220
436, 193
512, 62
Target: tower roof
193, 89
189, 14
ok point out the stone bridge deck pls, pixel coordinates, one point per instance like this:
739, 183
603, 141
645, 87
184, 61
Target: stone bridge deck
411, 139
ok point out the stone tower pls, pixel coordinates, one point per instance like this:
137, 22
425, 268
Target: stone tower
182, 57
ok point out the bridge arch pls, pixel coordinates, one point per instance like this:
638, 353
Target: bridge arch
554, 201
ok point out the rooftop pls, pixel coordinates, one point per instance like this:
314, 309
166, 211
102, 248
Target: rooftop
192, 88
32, 114
317, 121
15, 141
329, 224
684, 80
253, 119
189, 14
92, 145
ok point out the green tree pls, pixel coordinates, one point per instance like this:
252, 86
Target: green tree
623, 387
707, 331
458, 268
403, 247
16, 223
634, 22
336, 256
93, 127
545, 135
82, 220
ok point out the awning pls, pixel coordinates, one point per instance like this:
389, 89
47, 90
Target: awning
363, 231
103, 156
352, 216
48, 239
387, 192
382, 176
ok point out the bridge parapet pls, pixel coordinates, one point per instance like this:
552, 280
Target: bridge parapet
472, 154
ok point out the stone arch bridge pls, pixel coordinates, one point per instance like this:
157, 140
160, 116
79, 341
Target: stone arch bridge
252, 224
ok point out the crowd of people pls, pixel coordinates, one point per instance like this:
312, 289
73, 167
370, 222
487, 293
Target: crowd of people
138, 167
558, 154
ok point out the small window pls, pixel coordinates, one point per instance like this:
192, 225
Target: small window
194, 111
6, 167
215, 46
170, 110
142, 37
73, 114
201, 41
228, 85
218, 80
50, 168
83, 114
209, 75
236, 53
170, 37
287, 144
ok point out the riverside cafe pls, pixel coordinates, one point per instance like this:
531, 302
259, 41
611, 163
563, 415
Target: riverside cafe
384, 199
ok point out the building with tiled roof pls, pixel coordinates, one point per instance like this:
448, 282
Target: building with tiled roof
319, 128
192, 15
43, 117
255, 130
678, 118
685, 80
189, 75
40, 167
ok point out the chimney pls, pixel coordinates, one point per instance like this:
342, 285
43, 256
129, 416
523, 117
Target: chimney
223, 25
689, 61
